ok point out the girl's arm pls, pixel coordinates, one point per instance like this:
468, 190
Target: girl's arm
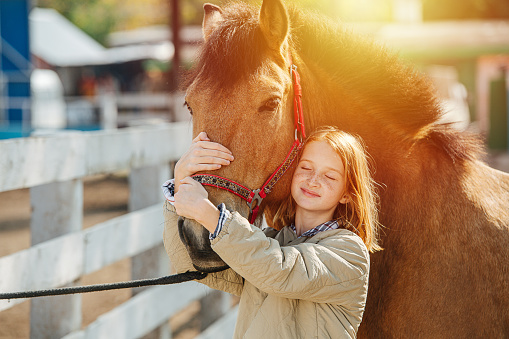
203, 155
192, 202
334, 270
227, 280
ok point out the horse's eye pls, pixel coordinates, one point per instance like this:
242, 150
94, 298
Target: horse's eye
188, 107
270, 105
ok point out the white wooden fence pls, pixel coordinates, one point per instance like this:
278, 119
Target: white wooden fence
124, 109
53, 168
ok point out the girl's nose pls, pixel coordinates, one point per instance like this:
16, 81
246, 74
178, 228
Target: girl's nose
313, 179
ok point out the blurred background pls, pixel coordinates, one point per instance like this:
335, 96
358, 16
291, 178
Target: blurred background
110, 63
104, 65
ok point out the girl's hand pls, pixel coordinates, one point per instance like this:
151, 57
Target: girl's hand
191, 201
203, 155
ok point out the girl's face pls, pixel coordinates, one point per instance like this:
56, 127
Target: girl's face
318, 183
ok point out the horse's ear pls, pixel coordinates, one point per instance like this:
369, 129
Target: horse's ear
213, 15
274, 23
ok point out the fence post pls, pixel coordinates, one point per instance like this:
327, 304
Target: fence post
57, 209
108, 111
144, 191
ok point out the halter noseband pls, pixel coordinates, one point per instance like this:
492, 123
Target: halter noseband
254, 198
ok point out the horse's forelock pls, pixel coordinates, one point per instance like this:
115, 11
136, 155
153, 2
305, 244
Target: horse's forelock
232, 52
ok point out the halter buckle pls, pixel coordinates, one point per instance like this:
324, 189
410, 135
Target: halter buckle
292, 67
256, 197
298, 136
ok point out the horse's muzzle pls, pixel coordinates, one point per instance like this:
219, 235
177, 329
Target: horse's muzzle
196, 239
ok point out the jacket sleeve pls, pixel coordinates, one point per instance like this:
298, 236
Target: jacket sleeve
227, 280
333, 270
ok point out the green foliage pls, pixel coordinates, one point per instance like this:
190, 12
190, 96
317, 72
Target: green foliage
95, 17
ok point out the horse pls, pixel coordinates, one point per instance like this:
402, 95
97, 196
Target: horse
444, 270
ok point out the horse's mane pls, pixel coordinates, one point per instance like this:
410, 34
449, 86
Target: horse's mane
394, 93
376, 77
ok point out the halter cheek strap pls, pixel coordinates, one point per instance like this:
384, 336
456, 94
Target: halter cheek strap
254, 198
297, 102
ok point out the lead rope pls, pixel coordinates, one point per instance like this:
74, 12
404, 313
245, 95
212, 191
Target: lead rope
167, 280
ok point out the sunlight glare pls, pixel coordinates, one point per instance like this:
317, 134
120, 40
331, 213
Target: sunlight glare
363, 10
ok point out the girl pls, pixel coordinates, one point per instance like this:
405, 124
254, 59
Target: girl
309, 280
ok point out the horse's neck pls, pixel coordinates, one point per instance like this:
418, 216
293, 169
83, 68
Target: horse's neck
327, 103
415, 175
405, 170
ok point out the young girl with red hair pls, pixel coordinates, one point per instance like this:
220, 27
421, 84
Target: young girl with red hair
308, 280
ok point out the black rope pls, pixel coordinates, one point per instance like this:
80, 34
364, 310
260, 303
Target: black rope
170, 279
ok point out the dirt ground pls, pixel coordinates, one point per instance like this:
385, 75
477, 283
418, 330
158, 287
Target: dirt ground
100, 204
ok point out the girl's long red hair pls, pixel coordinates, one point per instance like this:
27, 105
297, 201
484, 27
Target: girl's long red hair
360, 214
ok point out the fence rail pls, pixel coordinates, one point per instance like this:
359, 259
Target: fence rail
28, 162
62, 252
64, 259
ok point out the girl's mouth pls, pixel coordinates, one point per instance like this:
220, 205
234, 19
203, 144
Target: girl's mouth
309, 193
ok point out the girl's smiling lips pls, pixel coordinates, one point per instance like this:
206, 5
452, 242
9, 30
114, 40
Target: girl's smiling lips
309, 193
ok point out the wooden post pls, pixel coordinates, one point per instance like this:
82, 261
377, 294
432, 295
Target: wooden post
175, 28
108, 110
144, 191
57, 209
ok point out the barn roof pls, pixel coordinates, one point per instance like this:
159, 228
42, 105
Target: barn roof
58, 42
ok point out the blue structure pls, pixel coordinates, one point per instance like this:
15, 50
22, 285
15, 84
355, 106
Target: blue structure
15, 65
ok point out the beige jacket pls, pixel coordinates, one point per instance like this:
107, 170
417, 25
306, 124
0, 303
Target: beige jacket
289, 287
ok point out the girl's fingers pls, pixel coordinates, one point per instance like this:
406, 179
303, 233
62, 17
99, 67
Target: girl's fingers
204, 167
210, 166
210, 145
183, 188
187, 180
203, 155
213, 153
202, 136
190, 186
209, 160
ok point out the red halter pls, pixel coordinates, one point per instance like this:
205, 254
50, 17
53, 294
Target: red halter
254, 197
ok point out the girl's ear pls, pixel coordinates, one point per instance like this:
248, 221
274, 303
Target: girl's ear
345, 199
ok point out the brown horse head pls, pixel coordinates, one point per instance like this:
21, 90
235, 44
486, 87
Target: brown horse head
446, 235
239, 93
